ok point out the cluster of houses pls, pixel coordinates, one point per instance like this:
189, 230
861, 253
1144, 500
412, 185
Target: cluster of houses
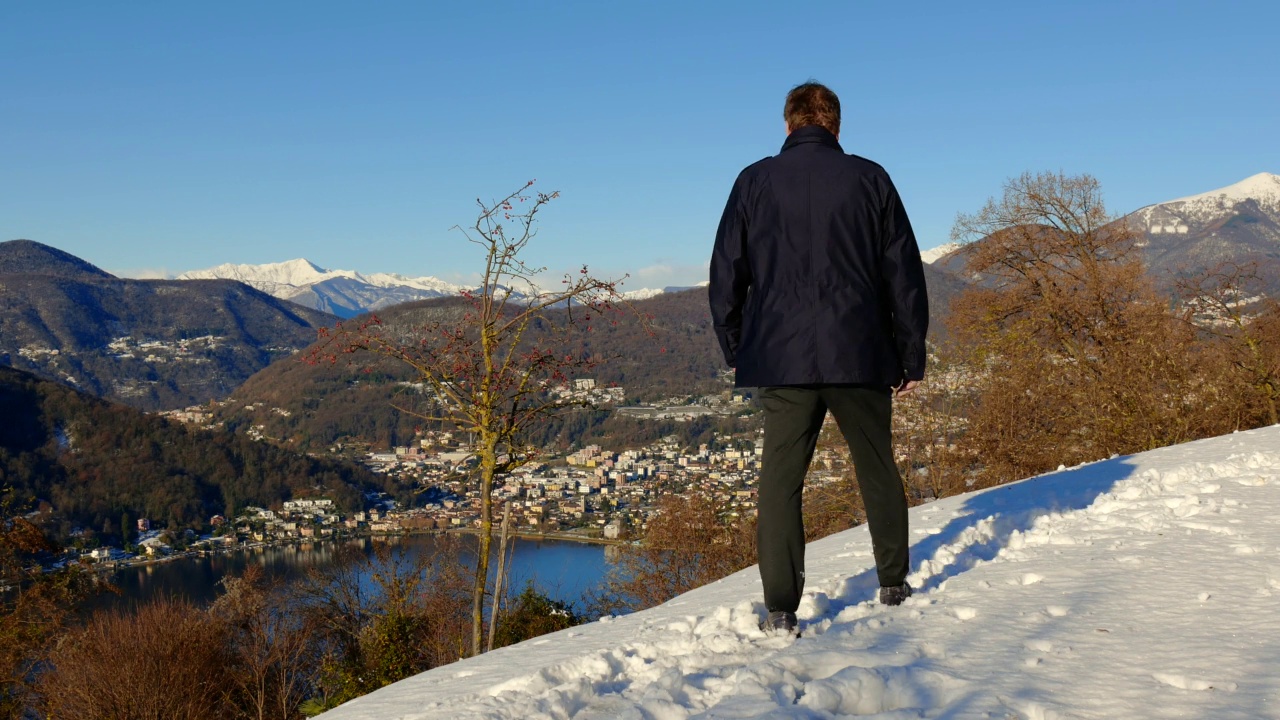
591, 493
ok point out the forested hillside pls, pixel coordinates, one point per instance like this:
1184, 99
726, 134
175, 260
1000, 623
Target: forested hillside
153, 344
90, 462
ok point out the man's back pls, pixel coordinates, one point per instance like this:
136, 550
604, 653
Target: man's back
816, 277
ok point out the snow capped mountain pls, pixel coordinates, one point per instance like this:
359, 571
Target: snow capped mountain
642, 294
342, 292
1136, 587
1182, 216
646, 293
934, 254
1264, 187
1235, 223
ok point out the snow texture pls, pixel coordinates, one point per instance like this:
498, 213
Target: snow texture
1134, 587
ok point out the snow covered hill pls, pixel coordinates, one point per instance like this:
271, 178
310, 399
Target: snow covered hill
1135, 587
1236, 223
342, 292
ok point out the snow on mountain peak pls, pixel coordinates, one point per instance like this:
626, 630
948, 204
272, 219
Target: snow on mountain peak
296, 272
1196, 212
1263, 187
300, 280
935, 254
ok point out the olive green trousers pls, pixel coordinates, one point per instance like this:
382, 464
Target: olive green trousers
793, 417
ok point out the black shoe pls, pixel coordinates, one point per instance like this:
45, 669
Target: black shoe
894, 594
781, 622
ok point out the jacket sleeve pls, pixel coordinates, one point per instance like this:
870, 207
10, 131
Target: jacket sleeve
730, 274
903, 274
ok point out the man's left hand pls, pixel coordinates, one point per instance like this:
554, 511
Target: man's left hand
906, 387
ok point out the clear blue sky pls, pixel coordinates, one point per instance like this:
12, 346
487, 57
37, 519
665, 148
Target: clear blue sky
175, 136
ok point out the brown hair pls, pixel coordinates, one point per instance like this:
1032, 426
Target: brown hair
812, 103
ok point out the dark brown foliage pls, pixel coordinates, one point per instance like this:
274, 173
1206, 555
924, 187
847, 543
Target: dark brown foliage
375, 619
1241, 326
274, 660
34, 610
167, 660
689, 542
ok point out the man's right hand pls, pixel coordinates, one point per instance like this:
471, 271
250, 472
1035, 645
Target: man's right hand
906, 387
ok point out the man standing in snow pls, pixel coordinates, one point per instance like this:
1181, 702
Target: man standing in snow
818, 299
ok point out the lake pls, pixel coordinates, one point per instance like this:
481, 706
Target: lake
562, 569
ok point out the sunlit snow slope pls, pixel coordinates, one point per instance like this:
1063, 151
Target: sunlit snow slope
1135, 587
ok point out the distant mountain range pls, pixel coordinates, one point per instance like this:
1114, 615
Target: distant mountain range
153, 344
346, 293
1188, 234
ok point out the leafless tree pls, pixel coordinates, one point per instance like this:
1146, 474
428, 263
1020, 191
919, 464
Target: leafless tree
490, 369
1072, 354
274, 662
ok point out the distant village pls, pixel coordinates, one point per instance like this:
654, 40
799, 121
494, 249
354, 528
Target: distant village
594, 494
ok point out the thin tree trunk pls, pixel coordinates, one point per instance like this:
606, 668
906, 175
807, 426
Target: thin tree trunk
488, 462
502, 567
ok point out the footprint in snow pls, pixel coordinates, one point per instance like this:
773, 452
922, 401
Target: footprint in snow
1058, 610
1182, 682
965, 613
1030, 579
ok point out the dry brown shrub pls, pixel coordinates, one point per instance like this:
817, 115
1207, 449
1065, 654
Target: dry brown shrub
33, 613
1071, 354
381, 617
690, 541
274, 662
166, 660
1240, 330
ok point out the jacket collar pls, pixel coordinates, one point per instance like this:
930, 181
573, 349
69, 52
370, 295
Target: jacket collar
811, 134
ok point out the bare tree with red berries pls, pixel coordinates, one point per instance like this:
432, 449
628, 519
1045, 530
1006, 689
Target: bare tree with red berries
491, 370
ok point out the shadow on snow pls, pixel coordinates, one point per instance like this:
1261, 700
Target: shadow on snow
1012, 508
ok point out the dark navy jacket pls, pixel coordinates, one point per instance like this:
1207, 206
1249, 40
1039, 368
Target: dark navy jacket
816, 277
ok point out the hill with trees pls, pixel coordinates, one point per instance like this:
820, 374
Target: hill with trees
86, 463
152, 344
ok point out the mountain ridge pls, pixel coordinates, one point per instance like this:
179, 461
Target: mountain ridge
344, 293
153, 344
94, 459
28, 257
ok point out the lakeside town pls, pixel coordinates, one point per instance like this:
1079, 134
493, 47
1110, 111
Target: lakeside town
593, 494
